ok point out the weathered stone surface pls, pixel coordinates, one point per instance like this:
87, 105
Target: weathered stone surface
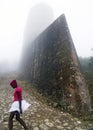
48, 118
52, 63
3, 128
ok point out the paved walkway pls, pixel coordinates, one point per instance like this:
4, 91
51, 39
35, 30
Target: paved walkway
39, 116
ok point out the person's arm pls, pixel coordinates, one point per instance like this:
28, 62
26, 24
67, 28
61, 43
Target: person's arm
19, 99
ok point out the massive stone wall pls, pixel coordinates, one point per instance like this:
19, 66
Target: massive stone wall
51, 62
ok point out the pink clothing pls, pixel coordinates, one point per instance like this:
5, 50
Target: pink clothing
18, 89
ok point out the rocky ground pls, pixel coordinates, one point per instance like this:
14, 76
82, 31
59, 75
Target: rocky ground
39, 116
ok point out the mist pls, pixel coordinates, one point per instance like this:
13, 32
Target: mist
15, 39
22, 21
39, 18
8, 67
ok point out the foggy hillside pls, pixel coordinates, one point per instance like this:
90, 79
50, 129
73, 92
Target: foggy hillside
6, 67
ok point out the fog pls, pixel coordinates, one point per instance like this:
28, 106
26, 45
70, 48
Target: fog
39, 18
21, 21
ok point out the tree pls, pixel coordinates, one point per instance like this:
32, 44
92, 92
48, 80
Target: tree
91, 63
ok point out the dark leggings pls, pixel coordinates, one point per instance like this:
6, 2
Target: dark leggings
16, 113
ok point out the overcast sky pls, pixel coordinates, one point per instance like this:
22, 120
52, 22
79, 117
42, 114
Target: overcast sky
13, 18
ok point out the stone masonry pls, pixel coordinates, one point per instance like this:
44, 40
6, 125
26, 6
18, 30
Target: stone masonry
39, 116
51, 62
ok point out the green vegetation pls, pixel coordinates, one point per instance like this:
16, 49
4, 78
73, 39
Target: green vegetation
87, 68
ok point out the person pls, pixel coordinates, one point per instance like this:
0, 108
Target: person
18, 106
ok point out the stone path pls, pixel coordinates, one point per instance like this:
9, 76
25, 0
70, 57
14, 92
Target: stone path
39, 116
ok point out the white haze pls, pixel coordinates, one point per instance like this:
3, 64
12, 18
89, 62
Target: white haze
39, 18
15, 21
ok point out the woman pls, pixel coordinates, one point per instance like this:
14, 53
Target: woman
18, 106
